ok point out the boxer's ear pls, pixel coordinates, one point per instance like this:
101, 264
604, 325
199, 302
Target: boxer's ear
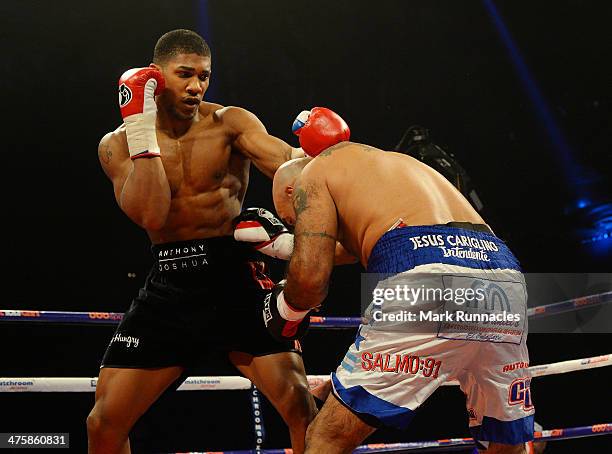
153, 65
289, 191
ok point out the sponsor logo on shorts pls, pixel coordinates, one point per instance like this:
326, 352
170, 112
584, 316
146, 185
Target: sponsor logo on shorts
175, 259
179, 252
400, 363
515, 366
267, 311
458, 246
519, 393
125, 95
129, 341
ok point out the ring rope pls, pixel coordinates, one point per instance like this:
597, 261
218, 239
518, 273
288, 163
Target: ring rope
225, 383
113, 318
543, 436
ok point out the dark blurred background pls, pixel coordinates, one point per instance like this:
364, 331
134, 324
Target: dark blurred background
519, 92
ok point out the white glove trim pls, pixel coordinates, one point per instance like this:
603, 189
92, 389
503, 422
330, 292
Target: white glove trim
140, 128
286, 311
251, 232
280, 247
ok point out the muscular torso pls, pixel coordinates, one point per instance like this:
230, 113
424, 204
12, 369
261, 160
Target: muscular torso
372, 189
207, 178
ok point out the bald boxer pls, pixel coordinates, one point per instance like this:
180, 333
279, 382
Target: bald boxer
403, 220
179, 167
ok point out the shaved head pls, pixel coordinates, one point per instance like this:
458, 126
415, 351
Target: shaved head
282, 188
289, 171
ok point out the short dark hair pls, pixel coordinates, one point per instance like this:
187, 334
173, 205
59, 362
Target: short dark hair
177, 42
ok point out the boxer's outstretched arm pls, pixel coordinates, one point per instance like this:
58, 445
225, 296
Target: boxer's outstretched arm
267, 152
141, 187
316, 229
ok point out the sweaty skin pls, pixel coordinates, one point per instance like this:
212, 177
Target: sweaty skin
198, 186
192, 191
411, 191
207, 174
354, 193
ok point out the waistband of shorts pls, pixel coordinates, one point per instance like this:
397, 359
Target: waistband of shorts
200, 254
457, 243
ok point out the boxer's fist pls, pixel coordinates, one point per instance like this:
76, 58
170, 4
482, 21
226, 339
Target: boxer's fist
137, 90
282, 321
319, 129
266, 232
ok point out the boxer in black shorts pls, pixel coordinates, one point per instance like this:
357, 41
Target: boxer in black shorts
183, 311
179, 167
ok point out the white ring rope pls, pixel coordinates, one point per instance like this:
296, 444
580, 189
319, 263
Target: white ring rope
88, 384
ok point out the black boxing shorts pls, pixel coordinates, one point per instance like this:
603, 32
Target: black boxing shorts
200, 296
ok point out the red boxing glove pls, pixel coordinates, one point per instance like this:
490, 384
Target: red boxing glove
137, 90
319, 129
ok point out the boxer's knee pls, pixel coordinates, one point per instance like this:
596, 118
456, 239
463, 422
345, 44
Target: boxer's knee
95, 422
297, 406
104, 428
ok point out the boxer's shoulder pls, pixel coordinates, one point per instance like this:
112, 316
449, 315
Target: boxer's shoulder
115, 138
210, 109
337, 164
317, 170
114, 142
339, 150
331, 159
113, 153
238, 119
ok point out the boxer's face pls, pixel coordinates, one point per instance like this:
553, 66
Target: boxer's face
187, 77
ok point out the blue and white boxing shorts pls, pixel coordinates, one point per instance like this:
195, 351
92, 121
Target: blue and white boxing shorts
448, 304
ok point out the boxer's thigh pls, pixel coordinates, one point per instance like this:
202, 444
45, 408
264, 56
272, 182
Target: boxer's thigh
386, 375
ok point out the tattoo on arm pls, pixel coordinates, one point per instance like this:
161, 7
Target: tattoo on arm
368, 148
106, 154
333, 148
300, 201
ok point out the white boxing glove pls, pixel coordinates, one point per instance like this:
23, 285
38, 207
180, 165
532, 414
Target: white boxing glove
267, 233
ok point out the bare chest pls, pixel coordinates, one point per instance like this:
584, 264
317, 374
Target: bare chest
201, 162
